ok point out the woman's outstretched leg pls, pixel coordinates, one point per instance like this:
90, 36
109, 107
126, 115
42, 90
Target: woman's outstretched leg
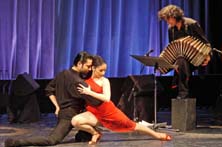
161, 136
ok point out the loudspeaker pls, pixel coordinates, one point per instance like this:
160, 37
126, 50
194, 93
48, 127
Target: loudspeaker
143, 83
218, 107
4, 93
24, 85
184, 114
141, 89
23, 105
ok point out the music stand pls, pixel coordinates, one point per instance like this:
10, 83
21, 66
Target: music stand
155, 62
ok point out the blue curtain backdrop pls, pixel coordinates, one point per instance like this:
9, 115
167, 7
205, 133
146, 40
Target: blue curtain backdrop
41, 37
27, 38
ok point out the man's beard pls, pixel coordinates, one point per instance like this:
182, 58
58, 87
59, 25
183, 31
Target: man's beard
86, 75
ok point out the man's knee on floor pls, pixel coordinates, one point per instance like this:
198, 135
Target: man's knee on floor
54, 141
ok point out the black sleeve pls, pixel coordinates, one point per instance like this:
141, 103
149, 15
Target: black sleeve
50, 88
198, 32
91, 100
75, 93
72, 87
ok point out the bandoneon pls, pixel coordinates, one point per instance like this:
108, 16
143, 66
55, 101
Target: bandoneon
192, 49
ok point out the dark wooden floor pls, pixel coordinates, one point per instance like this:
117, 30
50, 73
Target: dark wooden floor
207, 133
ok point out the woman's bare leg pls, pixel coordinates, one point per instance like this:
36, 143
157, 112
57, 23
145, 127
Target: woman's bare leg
143, 129
86, 121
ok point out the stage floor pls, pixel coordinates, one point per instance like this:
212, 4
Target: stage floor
205, 135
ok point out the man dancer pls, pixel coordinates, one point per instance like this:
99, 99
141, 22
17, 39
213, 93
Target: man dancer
63, 93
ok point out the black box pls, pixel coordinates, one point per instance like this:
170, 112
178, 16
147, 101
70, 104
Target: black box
184, 114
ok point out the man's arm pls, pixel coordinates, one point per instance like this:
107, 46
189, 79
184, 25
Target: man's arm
55, 103
198, 31
50, 92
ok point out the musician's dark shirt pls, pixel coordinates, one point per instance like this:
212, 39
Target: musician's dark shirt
189, 27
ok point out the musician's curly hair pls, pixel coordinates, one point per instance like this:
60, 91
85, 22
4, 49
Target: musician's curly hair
171, 11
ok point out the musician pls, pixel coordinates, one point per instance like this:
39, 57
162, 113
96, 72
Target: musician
179, 27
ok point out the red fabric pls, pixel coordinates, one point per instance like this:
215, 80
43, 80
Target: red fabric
108, 114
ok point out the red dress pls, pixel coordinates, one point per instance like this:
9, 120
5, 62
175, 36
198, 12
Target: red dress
108, 114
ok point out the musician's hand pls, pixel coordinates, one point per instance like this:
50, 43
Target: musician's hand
176, 68
206, 61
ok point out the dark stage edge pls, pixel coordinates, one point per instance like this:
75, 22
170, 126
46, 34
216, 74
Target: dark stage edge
205, 135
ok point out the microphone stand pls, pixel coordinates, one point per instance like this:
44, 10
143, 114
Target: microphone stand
219, 51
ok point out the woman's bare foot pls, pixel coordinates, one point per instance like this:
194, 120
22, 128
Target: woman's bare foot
165, 137
95, 138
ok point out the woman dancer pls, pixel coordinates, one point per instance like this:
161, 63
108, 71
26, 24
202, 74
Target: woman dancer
106, 114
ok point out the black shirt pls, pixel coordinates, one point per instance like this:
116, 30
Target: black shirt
190, 27
64, 87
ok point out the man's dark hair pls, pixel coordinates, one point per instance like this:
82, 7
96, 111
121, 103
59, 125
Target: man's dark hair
82, 57
171, 11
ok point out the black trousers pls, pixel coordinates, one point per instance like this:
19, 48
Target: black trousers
182, 77
61, 130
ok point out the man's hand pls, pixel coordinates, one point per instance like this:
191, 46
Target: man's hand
206, 61
55, 103
57, 111
84, 90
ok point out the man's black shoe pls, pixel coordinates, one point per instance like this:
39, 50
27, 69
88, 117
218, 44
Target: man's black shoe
82, 136
182, 96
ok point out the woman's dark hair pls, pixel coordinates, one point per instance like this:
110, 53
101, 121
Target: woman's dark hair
98, 61
171, 11
82, 57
